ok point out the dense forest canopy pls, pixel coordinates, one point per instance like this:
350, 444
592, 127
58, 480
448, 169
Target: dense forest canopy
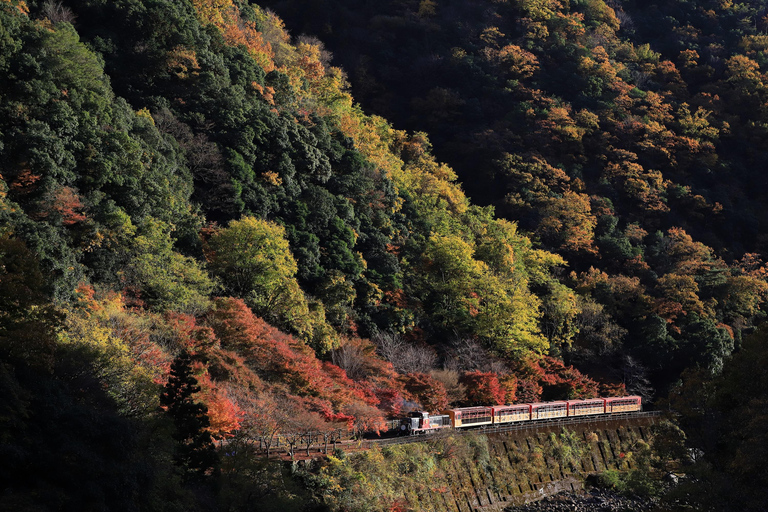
202, 232
624, 136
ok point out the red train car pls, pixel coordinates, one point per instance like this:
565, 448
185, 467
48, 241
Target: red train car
623, 404
586, 407
467, 417
511, 413
546, 410
471, 416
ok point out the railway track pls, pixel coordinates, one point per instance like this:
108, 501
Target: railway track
522, 426
350, 445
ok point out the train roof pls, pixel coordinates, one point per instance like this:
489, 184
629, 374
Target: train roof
473, 409
478, 408
540, 404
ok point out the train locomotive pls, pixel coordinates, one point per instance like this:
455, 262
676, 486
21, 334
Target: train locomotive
422, 422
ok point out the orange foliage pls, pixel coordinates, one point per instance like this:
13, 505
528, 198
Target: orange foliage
612, 389
753, 265
483, 388
427, 391
225, 15
688, 257
225, 416
509, 384
198, 340
519, 62
67, 204
646, 186
21, 5
284, 362
309, 61
268, 93
568, 220
680, 296
528, 391
24, 182
551, 379
183, 62
396, 298
390, 401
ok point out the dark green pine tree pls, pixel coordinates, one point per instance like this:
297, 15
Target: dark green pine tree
195, 452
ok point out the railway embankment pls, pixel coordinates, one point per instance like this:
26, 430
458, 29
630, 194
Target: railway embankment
529, 464
485, 471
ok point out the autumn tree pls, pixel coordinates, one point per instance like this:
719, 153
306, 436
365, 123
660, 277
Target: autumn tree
225, 417
465, 295
455, 390
93, 339
254, 261
351, 357
429, 392
483, 388
508, 383
364, 418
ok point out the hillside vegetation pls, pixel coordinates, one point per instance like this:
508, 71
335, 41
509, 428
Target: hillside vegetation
627, 137
205, 240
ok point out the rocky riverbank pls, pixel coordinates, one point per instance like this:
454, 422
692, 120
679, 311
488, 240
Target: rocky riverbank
595, 500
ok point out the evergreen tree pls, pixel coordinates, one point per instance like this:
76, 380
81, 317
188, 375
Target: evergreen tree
195, 452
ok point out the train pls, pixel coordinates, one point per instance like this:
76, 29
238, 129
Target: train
422, 422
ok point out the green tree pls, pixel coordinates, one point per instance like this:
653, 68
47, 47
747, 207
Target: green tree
27, 319
253, 260
161, 277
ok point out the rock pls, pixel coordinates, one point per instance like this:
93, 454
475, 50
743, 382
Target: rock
596, 500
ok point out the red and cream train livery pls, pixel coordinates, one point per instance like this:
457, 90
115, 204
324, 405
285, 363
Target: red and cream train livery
465, 417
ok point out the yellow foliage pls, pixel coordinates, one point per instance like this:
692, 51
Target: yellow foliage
373, 137
491, 36
496, 247
146, 115
754, 44
569, 221
522, 63
272, 178
643, 185
572, 25
540, 10
597, 11
21, 5
183, 62
682, 289
696, 124
225, 15
600, 65
91, 334
535, 29
427, 8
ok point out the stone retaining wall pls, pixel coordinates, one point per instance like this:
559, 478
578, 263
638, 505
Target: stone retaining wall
524, 466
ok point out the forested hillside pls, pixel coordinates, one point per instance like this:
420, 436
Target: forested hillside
205, 240
627, 137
